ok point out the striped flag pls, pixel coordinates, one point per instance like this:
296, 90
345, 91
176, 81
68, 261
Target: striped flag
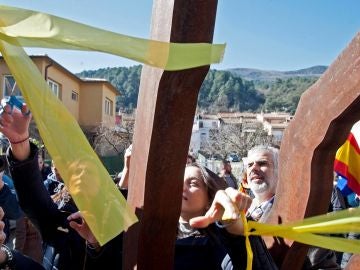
347, 160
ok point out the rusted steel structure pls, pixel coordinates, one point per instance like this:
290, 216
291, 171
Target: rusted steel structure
163, 125
322, 122
166, 108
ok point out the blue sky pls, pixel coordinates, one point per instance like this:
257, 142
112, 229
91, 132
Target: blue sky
264, 34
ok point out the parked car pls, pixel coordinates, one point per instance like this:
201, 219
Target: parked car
233, 157
216, 157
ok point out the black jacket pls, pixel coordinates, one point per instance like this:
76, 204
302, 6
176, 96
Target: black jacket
10, 205
70, 249
214, 249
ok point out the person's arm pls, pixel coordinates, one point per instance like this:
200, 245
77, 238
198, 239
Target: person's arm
124, 180
33, 197
24, 168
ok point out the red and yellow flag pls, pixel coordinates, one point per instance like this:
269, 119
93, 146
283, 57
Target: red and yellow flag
347, 160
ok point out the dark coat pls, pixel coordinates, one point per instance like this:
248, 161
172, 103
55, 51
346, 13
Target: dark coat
215, 249
10, 205
69, 247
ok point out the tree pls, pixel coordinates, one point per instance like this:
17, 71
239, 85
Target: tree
235, 139
108, 141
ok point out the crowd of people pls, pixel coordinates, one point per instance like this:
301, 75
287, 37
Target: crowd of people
51, 233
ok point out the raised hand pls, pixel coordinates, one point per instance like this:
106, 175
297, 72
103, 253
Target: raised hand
14, 124
228, 201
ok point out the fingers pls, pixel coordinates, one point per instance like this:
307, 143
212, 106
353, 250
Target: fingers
200, 222
6, 117
9, 112
241, 200
7, 109
25, 110
75, 225
2, 237
227, 205
75, 216
232, 203
76, 221
214, 213
2, 225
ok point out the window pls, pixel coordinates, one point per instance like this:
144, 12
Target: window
54, 87
10, 87
108, 107
74, 96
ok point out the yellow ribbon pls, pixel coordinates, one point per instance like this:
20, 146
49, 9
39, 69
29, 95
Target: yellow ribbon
309, 230
247, 241
104, 208
90, 185
36, 29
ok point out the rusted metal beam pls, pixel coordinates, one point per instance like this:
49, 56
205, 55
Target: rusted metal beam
323, 119
166, 109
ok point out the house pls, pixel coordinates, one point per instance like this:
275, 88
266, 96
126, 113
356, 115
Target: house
247, 120
273, 123
200, 132
90, 101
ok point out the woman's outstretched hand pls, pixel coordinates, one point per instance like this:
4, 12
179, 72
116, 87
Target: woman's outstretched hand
229, 201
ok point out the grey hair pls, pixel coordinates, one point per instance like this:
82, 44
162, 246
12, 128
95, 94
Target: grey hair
268, 149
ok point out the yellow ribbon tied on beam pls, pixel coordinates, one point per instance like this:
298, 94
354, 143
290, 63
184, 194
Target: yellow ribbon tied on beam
36, 29
311, 231
103, 207
90, 185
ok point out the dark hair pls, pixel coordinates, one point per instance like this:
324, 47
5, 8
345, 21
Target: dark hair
212, 181
224, 162
190, 156
2, 164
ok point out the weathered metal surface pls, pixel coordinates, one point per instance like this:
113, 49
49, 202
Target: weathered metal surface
166, 109
323, 119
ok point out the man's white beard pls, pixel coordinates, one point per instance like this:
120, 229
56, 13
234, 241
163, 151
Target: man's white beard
259, 188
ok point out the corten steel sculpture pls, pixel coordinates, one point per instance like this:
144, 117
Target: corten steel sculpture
166, 109
322, 122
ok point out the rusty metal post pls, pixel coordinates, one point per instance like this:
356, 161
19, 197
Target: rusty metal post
166, 109
323, 119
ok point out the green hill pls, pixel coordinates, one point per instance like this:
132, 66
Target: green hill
271, 75
224, 90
